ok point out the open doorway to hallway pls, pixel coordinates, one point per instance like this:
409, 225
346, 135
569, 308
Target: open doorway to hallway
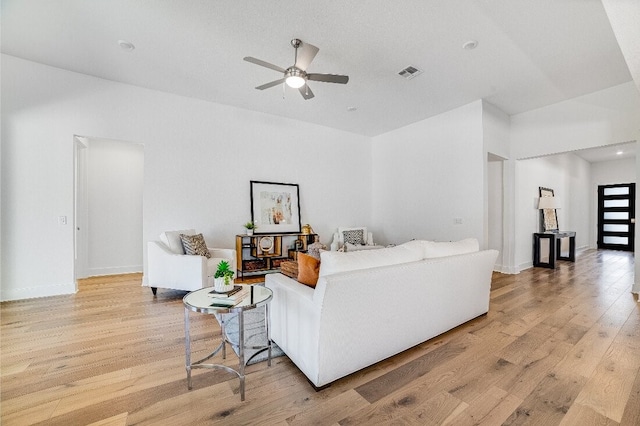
108, 207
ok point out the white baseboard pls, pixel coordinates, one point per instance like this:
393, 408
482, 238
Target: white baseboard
525, 265
39, 291
96, 272
504, 269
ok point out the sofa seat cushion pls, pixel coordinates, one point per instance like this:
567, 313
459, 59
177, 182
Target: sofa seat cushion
333, 262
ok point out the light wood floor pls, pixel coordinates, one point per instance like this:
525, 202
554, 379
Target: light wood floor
557, 348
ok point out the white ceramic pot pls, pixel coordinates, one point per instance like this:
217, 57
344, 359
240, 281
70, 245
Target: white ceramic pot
249, 232
220, 286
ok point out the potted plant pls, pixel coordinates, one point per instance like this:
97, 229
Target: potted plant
223, 278
250, 226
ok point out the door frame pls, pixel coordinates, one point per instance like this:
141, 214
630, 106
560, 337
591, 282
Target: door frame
80, 208
600, 222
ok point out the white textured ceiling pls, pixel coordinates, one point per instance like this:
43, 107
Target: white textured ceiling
530, 53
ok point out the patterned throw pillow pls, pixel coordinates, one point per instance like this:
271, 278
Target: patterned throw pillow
354, 236
195, 245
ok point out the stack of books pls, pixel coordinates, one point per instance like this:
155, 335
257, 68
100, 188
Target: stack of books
226, 300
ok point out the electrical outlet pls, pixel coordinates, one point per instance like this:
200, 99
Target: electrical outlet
457, 221
62, 220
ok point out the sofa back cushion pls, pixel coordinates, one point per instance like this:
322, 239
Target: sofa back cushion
172, 239
434, 249
333, 262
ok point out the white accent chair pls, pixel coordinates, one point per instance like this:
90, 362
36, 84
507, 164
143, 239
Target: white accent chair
339, 244
169, 267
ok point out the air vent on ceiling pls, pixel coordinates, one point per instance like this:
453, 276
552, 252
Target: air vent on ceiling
410, 72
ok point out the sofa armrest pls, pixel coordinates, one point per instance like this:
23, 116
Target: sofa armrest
220, 253
176, 271
295, 321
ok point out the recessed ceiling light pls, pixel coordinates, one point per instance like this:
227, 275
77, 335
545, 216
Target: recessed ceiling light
619, 153
470, 45
351, 108
126, 45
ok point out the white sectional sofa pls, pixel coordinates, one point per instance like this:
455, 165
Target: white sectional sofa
370, 305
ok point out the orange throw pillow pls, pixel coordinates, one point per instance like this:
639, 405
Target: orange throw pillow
308, 269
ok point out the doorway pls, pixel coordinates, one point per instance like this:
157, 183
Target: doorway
108, 207
616, 216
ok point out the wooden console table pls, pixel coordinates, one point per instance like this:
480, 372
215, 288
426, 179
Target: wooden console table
554, 248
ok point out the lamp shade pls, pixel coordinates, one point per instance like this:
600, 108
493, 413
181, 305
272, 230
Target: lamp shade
548, 203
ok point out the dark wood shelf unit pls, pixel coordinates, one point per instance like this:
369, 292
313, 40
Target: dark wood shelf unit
263, 253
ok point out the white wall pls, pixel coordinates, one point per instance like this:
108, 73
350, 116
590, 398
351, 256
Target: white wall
568, 175
495, 215
115, 190
199, 159
429, 173
499, 190
615, 171
605, 117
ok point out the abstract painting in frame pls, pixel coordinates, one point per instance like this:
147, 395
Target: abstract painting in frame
275, 207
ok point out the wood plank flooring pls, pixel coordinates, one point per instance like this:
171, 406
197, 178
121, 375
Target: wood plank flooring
558, 347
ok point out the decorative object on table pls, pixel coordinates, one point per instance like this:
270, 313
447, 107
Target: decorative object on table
266, 244
275, 207
307, 229
313, 249
290, 269
223, 278
547, 204
250, 227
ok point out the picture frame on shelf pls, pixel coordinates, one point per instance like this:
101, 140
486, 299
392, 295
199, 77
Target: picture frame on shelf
275, 207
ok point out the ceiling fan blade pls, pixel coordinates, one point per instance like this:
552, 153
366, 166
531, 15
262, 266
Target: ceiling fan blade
306, 92
329, 78
263, 64
273, 83
306, 53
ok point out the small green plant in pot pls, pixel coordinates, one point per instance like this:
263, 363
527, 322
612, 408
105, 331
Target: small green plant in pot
250, 226
223, 278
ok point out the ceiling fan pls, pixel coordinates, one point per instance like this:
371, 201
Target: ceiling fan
296, 76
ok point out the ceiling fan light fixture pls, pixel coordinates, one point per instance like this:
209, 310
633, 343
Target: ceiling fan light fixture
295, 77
295, 81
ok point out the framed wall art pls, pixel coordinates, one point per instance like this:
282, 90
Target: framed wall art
275, 207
